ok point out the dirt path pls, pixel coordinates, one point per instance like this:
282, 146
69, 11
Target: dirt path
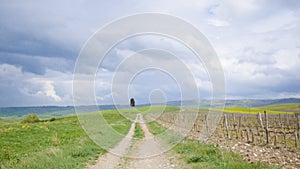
147, 154
110, 160
143, 154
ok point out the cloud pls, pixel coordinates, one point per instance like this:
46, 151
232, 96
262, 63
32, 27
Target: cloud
27, 89
47, 90
218, 23
257, 43
37, 64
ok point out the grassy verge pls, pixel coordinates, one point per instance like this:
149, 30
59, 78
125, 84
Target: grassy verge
61, 143
155, 128
195, 154
58, 144
138, 132
199, 155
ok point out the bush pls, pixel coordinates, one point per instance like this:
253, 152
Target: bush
31, 118
52, 119
198, 158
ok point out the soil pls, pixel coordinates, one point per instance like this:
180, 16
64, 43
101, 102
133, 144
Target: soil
286, 158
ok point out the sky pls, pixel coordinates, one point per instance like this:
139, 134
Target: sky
257, 42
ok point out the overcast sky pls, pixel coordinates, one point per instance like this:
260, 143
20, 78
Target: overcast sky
257, 42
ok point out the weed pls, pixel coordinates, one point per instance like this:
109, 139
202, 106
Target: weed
31, 118
138, 132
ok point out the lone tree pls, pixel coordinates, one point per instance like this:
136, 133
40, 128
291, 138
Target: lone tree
132, 102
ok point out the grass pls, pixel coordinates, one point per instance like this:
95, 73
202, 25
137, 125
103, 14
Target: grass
157, 108
58, 144
117, 121
281, 107
150, 109
138, 132
131, 113
155, 128
255, 110
106, 128
271, 109
61, 143
199, 155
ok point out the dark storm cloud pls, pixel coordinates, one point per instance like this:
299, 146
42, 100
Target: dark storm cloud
30, 44
257, 42
37, 64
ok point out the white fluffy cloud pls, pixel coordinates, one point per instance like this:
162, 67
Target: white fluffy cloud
28, 89
256, 40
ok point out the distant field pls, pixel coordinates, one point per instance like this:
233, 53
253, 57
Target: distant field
131, 113
154, 109
250, 110
150, 109
272, 109
283, 107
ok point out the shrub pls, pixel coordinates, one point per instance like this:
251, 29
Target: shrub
52, 119
31, 118
198, 158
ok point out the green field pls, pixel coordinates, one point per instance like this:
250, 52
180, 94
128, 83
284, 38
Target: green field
117, 121
282, 107
61, 143
155, 109
149, 109
58, 144
131, 113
